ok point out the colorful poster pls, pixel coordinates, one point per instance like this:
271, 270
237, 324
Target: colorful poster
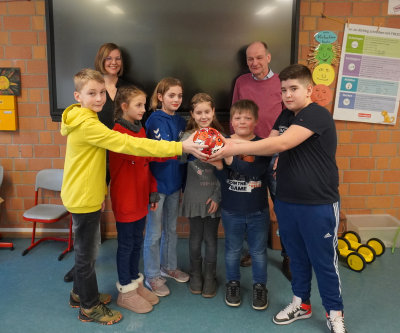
394, 7
368, 85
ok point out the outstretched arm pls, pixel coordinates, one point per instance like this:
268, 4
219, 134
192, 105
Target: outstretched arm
292, 137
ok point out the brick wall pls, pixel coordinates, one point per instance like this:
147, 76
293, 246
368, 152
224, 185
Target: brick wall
368, 155
37, 143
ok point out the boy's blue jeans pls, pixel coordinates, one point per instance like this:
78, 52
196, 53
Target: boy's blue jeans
256, 225
86, 228
130, 241
160, 239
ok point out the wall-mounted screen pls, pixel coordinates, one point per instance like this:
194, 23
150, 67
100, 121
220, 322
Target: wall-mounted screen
200, 42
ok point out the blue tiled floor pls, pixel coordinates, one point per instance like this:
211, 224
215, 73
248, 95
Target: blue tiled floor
34, 297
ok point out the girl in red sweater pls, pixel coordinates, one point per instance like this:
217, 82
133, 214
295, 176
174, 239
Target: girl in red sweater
133, 190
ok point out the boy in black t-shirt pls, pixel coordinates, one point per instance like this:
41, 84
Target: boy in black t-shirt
307, 198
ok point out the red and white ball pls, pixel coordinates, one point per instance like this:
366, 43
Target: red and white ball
211, 137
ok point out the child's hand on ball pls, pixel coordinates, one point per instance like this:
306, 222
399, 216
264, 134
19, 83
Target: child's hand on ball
210, 137
190, 147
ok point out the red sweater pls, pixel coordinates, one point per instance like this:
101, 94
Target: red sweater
131, 182
266, 94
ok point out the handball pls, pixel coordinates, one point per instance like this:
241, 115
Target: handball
210, 137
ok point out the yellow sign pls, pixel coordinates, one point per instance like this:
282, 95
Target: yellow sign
8, 113
323, 74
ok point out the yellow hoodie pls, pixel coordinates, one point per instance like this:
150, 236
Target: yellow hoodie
84, 182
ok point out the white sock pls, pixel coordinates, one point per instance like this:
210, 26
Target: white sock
333, 314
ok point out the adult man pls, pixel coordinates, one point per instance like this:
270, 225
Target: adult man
263, 87
260, 85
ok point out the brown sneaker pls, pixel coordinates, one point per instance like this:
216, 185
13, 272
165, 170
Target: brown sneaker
129, 298
150, 297
100, 314
157, 286
175, 274
75, 302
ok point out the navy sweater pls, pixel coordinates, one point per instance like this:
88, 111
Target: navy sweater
169, 174
244, 184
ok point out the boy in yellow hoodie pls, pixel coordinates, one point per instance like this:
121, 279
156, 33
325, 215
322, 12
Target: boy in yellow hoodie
84, 184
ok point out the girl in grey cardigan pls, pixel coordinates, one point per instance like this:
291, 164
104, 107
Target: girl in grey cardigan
200, 203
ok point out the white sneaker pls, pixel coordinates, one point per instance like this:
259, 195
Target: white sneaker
335, 322
294, 311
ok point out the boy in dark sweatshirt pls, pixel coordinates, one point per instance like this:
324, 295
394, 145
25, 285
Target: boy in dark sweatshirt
244, 208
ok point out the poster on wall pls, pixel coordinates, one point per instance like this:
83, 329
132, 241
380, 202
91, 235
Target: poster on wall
394, 7
10, 81
369, 75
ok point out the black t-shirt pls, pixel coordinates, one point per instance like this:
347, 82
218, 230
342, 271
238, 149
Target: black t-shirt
307, 173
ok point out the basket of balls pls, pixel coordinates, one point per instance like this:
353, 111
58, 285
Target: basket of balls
211, 137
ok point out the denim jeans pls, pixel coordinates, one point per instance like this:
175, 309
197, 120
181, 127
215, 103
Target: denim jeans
130, 241
256, 225
160, 240
203, 229
86, 228
271, 183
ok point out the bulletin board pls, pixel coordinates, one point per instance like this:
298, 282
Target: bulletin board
368, 86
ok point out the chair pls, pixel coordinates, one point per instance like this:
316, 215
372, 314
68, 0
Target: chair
4, 244
48, 179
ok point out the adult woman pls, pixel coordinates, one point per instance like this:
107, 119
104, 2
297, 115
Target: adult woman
109, 62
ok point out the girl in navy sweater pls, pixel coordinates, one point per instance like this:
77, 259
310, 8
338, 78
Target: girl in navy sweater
159, 251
